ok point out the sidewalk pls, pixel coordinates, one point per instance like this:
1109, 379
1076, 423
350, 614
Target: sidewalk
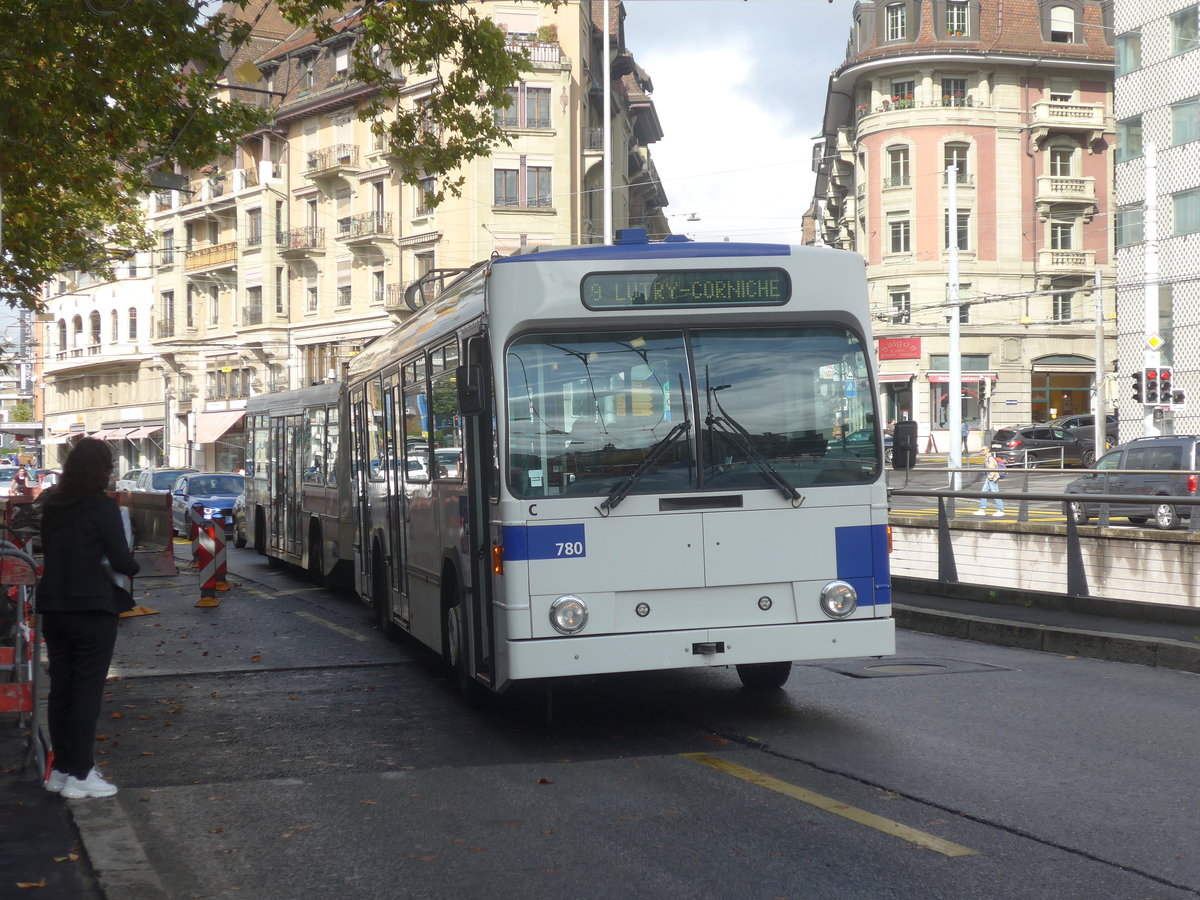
40, 833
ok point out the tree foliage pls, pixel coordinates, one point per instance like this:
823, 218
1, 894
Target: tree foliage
96, 93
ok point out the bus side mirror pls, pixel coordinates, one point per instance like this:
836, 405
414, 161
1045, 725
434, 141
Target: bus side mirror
470, 390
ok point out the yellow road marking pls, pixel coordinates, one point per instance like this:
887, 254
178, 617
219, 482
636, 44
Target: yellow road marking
862, 817
330, 625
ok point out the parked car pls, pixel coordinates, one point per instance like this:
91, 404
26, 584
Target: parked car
47, 478
448, 461
1042, 445
1084, 426
862, 443
128, 481
6, 477
203, 496
1175, 456
160, 481
239, 521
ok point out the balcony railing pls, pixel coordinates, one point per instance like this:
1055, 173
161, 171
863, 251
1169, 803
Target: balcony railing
394, 297
310, 237
593, 139
165, 329
1066, 260
1049, 117
897, 181
214, 255
1066, 188
892, 106
546, 53
331, 159
365, 225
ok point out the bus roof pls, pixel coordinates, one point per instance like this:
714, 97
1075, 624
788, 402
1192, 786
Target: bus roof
633, 244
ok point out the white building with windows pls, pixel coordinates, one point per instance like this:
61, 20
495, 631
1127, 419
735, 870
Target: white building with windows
1157, 225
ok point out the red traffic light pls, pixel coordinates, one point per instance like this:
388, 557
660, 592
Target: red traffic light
1151, 374
1164, 374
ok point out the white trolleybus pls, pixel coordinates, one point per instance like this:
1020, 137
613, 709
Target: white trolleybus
611, 459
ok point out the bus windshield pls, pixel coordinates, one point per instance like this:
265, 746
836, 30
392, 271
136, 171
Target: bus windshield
586, 409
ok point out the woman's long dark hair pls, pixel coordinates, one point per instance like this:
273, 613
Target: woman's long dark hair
87, 469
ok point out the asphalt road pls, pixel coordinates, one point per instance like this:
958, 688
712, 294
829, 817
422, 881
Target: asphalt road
280, 747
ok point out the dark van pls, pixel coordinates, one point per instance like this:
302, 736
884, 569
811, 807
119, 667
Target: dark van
1174, 455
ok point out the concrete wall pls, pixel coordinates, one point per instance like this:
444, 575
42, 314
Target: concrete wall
1121, 563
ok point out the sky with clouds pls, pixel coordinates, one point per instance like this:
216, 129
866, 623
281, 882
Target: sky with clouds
739, 87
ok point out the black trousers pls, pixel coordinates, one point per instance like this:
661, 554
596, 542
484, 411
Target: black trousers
80, 648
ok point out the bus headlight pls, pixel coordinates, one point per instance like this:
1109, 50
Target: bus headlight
568, 614
839, 599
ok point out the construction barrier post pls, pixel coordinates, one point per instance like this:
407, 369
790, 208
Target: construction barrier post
206, 552
222, 578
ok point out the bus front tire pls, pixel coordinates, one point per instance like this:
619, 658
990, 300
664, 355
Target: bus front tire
764, 676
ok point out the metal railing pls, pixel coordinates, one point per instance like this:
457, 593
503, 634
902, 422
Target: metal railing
1108, 504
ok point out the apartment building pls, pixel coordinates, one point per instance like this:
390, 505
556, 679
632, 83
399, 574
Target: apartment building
1157, 223
1017, 97
287, 256
98, 371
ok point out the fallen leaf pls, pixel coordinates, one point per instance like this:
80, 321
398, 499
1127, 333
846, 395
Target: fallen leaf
31, 884
256, 658
147, 753
216, 831
545, 781
70, 857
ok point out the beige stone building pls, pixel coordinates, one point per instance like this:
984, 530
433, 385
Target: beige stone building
287, 256
1018, 97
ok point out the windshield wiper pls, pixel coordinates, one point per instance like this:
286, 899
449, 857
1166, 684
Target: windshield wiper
732, 429
618, 493
613, 500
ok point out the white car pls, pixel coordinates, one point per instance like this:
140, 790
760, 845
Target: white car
128, 481
448, 459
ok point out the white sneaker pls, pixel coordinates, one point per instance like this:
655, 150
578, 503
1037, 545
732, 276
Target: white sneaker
998, 512
92, 786
979, 512
56, 781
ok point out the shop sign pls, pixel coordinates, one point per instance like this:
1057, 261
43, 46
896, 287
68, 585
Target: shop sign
899, 348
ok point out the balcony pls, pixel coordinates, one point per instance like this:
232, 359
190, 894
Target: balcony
332, 162
306, 241
215, 256
1063, 262
220, 186
593, 139
1086, 119
365, 227
543, 54
1056, 191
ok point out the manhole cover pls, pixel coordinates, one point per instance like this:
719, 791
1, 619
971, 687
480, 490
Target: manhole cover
895, 668
906, 669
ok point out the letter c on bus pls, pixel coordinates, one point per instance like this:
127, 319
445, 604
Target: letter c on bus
533, 509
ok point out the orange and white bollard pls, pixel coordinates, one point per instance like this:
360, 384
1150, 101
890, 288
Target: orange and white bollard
222, 578
206, 562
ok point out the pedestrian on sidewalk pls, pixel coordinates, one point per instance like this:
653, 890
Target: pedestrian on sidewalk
83, 542
991, 484
966, 433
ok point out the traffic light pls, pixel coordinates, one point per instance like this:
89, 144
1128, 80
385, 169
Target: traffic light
1152, 385
1177, 397
1164, 385
1137, 387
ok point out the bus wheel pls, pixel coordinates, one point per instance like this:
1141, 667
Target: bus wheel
764, 676
380, 601
454, 644
316, 557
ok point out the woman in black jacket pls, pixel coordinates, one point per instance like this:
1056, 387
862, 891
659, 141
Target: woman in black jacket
79, 604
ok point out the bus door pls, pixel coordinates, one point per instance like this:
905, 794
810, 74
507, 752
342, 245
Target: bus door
422, 544
394, 424
480, 463
280, 458
296, 434
358, 485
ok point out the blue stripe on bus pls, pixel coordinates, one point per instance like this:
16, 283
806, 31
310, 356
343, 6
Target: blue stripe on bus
523, 542
656, 250
862, 560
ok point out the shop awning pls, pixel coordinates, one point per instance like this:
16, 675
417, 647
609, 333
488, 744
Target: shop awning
120, 434
144, 432
896, 377
211, 425
967, 377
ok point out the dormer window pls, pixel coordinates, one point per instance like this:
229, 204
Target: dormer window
341, 59
896, 21
1062, 25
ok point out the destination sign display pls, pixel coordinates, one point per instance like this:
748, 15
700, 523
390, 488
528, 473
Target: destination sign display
725, 287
